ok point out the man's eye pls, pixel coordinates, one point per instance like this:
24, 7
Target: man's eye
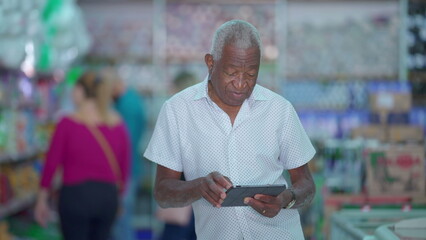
231, 74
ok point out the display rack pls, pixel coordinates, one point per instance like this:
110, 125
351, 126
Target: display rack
26, 106
18, 157
16, 205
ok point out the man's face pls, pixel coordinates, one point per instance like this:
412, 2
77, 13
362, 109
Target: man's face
234, 76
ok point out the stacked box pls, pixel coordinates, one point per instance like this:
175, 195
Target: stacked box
390, 106
397, 170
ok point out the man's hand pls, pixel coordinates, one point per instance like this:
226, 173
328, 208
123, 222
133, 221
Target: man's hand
213, 188
303, 189
268, 206
170, 191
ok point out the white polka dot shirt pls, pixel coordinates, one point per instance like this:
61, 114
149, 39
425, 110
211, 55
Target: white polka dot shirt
193, 135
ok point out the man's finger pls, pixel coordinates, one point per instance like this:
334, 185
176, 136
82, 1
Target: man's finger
229, 180
213, 199
212, 186
218, 191
264, 209
255, 204
265, 198
221, 180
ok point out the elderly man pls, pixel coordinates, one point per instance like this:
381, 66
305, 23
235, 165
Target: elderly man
225, 131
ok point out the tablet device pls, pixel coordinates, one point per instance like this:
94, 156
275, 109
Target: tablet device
236, 194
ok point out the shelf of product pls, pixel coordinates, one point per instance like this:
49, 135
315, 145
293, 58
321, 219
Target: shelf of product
24, 131
25, 155
17, 133
120, 36
373, 168
347, 45
356, 166
327, 95
368, 156
356, 108
337, 42
190, 26
18, 185
24, 104
16, 205
27, 106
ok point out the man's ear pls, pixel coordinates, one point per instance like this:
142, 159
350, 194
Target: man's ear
208, 58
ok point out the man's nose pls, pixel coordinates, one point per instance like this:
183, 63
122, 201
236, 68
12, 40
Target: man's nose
239, 82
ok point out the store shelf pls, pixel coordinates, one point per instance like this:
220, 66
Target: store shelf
16, 205
18, 106
11, 158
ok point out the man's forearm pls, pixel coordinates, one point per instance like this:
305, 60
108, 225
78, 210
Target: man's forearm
303, 186
177, 193
304, 191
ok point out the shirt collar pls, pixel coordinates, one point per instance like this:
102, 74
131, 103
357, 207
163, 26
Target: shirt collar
202, 92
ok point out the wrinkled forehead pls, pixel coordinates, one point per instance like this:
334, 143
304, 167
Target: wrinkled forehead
240, 56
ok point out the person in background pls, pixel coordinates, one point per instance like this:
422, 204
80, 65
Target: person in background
129, 105
228, 130
178, 227
92, 147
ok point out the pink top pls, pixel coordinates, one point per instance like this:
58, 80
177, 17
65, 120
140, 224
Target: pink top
82, 159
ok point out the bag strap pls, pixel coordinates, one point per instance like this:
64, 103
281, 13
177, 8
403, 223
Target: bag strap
106, 147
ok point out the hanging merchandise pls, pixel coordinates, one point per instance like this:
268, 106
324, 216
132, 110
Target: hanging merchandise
65, 35
42, 35
73, 74
19, 29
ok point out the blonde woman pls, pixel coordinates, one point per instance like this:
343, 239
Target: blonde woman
92, 147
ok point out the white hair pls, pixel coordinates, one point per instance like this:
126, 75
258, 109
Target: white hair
237, 33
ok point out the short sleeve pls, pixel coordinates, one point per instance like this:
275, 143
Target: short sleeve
296, 148
164, 146
55, 153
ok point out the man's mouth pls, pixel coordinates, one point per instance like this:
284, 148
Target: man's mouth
238, 94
